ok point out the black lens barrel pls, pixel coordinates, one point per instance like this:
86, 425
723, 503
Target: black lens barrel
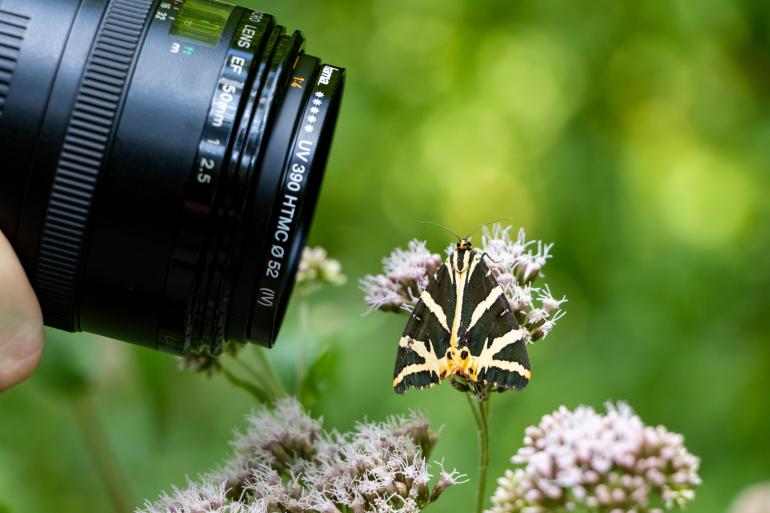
87, 140
164, 187
196, 295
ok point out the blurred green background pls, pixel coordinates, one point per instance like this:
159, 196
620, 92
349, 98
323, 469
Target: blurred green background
634, 135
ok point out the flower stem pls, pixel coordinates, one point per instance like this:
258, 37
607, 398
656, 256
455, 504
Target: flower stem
483, 424
267, 369
259, 391
261, 379
103, 458
304, 331
474, 410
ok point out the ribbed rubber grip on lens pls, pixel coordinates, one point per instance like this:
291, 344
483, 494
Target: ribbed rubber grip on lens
12, 30
86, 145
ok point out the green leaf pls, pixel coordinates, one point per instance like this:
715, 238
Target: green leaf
319, 376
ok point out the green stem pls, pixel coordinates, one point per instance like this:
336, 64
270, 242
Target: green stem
304, 342
101, 454
259, 392
483, 408
267, 368
258, 376
474, 410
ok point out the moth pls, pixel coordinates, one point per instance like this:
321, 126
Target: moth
462, 327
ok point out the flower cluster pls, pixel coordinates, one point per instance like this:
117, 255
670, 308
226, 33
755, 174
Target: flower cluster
285, 462
316, 268
515, 263
612, 462
406, 275
206, 497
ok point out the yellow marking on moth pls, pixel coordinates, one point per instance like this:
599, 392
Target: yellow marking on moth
487, 357
464, 268
485, 305
456, 364
460, 281
435, 309
474, 263
431, 363
513, 367
462, 277
469, 368
450, 269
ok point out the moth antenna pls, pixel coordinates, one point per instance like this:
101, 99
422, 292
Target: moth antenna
488, 223
443, 228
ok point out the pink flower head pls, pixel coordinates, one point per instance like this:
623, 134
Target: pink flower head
610, 462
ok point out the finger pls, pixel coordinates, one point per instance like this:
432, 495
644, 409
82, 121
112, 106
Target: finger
21, 323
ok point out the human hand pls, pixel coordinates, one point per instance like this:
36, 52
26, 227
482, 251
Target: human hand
21, 322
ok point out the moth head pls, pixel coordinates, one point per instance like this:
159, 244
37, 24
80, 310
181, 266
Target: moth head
464, 245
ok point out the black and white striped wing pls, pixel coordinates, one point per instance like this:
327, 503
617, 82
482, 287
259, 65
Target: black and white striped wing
421, 350
490, 331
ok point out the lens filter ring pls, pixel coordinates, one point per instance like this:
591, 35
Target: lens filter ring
294, 204
255, 180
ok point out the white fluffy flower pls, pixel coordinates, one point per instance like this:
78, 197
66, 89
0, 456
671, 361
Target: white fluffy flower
208, 497
285, 461
611, 462
316, 268
406, 274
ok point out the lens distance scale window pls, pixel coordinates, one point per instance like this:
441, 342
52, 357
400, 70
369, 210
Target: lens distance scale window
202, 21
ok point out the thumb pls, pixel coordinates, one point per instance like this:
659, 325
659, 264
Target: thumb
21, 323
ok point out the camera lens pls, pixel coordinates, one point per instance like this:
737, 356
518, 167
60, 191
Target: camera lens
161, 165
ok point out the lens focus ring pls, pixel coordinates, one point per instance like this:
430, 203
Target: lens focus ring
86, 144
